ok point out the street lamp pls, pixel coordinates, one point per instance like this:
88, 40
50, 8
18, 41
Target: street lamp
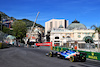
98, 41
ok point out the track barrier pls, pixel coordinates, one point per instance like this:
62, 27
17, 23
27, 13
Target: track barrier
90, 55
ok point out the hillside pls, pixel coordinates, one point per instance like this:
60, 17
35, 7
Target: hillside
28, 22
4, 16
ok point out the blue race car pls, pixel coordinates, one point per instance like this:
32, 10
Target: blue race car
69, 54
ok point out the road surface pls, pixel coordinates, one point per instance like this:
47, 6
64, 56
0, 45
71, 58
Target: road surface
35, 57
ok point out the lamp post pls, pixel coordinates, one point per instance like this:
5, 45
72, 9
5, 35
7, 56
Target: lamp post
98, 41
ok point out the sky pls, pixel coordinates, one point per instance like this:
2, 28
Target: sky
85, 11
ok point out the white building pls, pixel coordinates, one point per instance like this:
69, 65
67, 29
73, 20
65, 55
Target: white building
54, 24
33, 35
75, 32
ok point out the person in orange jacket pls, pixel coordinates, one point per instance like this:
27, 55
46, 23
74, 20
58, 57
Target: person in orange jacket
75, 47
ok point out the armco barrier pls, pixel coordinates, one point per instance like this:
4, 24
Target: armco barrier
90, 55
3, 45
0, 45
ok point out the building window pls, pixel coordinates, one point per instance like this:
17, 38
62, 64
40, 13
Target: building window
60, 22
56, 41
79, 36
68, 37
55, 24
68, 33
65, 24
51, 25
63, 36
56, 37
79, 33
93, 36
85, 33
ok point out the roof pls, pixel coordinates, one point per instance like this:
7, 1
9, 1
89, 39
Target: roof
75, 21
76, 24
11, 37
60, 26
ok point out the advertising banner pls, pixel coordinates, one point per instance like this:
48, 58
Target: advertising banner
44, 44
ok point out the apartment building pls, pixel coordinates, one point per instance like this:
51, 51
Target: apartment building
55, 24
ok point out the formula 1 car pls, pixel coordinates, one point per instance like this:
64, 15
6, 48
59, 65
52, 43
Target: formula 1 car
69, 54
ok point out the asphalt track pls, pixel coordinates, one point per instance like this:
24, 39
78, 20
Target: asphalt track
35, 57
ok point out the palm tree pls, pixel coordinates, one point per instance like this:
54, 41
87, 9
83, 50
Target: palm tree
97, 29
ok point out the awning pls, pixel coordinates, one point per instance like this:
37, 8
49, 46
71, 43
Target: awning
11, 37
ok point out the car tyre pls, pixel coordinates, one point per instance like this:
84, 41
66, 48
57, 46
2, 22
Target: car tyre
83, 59
72, 59
50, 54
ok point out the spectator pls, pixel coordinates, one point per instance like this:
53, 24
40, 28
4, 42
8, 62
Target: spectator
75, 47
71, 46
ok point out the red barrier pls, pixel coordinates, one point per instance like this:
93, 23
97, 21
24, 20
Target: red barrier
44, 44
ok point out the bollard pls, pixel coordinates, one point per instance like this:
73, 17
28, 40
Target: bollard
51, 47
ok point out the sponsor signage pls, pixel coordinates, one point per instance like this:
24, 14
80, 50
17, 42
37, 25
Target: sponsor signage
44, 44
92, 56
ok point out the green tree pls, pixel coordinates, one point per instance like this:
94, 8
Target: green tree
19, 29
88, 39
96, 28
6, 30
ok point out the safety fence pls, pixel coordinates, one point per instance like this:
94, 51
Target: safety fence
3, 45
90, 55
